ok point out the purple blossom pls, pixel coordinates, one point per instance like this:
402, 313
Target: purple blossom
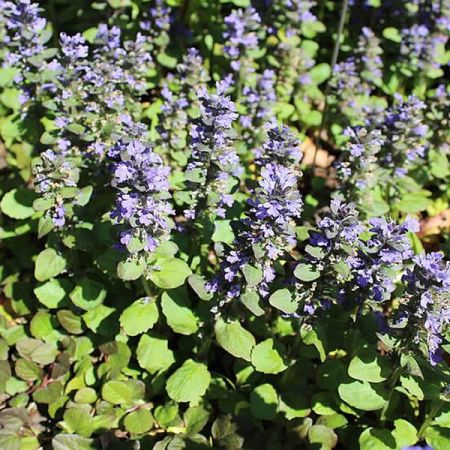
142, 207
213, 159
426, 305
241, 35
281, 147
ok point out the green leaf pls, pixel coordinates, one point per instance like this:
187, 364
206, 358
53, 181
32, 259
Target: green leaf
139, 317
189, 382
266, 357
294, 404
48, 394
392, 34
18, 203
177, 310
138, 422
197, 283
362, 395
320, 73
53, 293
438, 438
86, 395
171, 274
166, 60
321, 434
78, 420
373, 439
27, 370
253, 275
306, 272
129, 270
88, 294
264, 402
412, 203
48, 265
153, 354
405, 434
195, 419
233, 338
96, 319
123, 392
251, 301
72, 442
367, 365
42, 325
71, 322
282, 300
223, 232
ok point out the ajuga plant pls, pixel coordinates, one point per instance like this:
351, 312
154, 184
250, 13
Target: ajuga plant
355, 79
180, 105
266, 233
174, 273
23, 46
378, 157
213, 160
88, 97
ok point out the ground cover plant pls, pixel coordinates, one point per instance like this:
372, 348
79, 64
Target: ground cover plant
224, 224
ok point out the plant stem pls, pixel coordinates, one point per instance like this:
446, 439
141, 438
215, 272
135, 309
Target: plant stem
334, 58
431, 415
392, 381
147, 289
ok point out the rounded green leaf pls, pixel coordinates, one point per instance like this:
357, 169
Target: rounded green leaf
367, 365
189, 382
362, 395
179, 316
233, 338
282, 300
78, 421
88, 294
53, 293
171, 273
264, 402
86, 395
306, 272
42, 324
72, 442
153, 354
18, 203
139, 317
266, 357
123, 392
138, 422
129, 270
48, 265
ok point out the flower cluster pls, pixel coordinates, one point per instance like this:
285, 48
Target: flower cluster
266, 233
385, 149
354, 269
359, 163
179, 102
425, 309
297, 14
258, 103
155, 25
23, 38
282, 147
241, 37
142, 205
404, 131
355, 78
213, 159
90, 89
55, 177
